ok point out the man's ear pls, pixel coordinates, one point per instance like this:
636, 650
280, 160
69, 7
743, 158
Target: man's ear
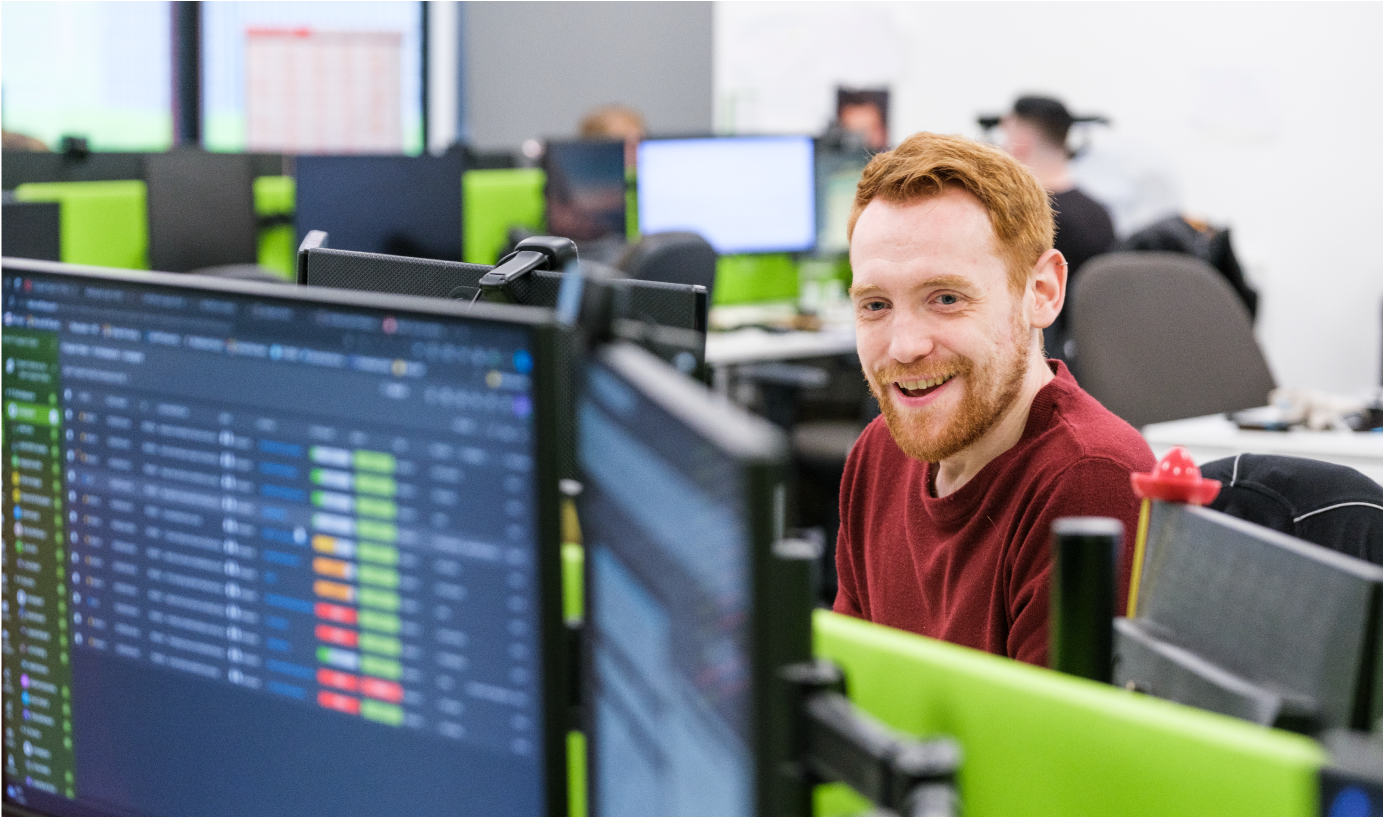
1047, 287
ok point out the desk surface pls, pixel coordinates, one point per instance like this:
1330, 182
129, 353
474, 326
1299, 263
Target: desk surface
754, 345
1215, 436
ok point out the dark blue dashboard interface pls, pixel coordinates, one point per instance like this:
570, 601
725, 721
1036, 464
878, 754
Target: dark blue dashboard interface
266, 556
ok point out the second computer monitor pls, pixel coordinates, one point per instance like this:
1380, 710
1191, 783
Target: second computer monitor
689, 615
585, 191
400, 205
744, 194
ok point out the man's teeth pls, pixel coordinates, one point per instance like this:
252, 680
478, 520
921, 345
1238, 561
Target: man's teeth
918, 385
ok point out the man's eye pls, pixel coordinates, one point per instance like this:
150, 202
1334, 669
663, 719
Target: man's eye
874, 306
947, 299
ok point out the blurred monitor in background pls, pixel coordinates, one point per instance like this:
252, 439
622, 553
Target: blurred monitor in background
615, 122
585, 190
744, 194
865, 112
1035, 132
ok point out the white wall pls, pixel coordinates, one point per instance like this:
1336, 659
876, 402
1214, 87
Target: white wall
1270, 115
532, 69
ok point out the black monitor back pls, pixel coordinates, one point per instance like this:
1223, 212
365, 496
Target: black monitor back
201, 210
679, 306
585, 189
1251, 622
399, 205
23, 167
32, 229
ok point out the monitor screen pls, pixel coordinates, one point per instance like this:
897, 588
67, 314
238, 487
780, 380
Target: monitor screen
276, 552
401, 205
681, 504
744, 194
838, 171
585, 189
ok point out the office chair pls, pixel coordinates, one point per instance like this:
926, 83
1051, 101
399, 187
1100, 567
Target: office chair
1161, 336
1331, 505
675, 257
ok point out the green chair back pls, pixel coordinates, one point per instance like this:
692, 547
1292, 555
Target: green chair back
1037, 742
493, 201
278, 243
104, 224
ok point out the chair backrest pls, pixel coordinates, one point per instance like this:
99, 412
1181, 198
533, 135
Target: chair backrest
1161, 336
1330, 505
201, 210
104, 224
675, 257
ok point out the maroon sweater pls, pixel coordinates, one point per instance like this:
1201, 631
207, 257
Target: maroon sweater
974, 567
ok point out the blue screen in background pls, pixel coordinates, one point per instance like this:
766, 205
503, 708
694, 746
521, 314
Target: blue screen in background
743, 194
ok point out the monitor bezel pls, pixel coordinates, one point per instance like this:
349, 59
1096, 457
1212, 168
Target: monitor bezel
547, 334
777, 636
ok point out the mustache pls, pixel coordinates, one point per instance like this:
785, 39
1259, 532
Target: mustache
893, 372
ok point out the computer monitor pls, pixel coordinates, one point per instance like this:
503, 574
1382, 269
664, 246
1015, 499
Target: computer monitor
744, 194
400, 205
585, 189
838, 170
277, 551
201, 210
679, 306
689, 614
1244, 620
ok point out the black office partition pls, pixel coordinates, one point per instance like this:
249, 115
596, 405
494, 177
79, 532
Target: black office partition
24, 167
32, 229
277, 551
201, 210
399, 205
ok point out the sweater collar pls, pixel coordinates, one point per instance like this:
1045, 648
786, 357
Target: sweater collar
1040, 415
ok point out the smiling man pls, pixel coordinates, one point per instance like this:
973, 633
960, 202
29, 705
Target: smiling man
948, 498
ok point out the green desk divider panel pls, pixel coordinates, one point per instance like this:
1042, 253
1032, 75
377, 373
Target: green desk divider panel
631, 205
1036, 742
573, 609
278, 244
492, 201
573, 601
742, 279
105, 224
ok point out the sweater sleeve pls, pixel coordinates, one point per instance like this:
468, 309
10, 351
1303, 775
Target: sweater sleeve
1089, 487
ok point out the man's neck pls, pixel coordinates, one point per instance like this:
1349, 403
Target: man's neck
952, 473
1052, 169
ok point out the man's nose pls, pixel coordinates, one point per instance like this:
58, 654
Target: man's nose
911, 339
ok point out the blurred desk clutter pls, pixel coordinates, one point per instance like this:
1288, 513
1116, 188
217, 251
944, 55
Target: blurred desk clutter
1215, 436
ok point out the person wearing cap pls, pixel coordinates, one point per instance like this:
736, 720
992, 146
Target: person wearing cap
948, 498
1035, 132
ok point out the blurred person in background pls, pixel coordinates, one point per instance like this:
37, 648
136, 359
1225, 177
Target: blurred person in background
1035, 133
865, 114
615, 122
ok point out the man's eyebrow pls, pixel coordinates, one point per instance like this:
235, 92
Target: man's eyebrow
934, 282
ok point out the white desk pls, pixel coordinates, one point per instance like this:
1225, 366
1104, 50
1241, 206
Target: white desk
754, 345
1210, 438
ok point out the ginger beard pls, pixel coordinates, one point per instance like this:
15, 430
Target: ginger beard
936, 432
